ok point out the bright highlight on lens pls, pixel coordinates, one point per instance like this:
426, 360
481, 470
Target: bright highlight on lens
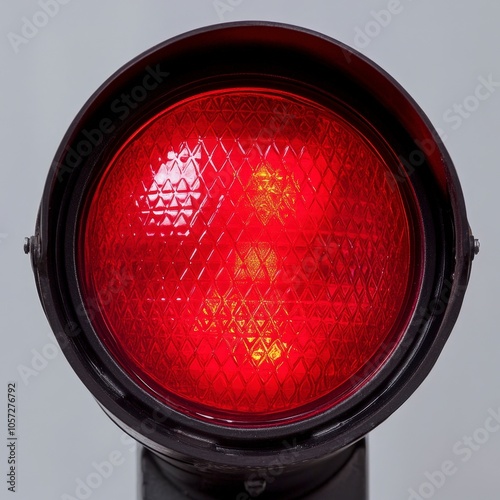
249, 253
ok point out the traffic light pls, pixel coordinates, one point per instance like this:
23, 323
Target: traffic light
252, 247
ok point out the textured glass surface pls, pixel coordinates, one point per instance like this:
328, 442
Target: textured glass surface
249, 252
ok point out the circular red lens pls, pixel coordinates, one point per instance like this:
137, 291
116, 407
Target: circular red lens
246, 256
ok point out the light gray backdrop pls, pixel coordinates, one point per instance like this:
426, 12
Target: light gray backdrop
439, 51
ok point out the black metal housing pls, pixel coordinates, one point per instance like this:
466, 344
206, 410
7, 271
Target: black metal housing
281, 57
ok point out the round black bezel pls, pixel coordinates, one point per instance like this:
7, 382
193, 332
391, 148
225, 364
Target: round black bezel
230, 55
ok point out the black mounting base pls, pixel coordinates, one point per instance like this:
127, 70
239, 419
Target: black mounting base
350, 482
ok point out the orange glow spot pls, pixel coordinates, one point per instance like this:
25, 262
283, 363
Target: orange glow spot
257, 262
271, 193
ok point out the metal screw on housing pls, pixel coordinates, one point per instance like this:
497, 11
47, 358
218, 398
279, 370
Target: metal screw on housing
477, 246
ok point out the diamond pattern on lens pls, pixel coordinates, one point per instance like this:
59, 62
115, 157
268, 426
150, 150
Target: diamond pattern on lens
268, 252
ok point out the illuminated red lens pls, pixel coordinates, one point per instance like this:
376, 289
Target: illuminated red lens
247, 254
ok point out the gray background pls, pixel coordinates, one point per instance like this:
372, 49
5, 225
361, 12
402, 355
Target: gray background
436, 50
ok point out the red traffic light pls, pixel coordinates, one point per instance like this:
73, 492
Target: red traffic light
269, 245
